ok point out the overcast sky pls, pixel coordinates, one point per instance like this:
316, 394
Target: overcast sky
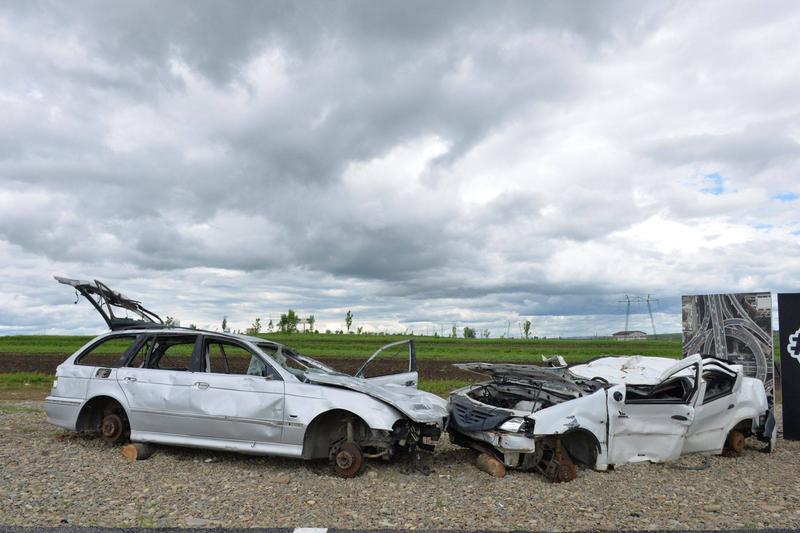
421, 163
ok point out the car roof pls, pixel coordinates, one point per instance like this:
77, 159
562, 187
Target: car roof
193, 331
636, 369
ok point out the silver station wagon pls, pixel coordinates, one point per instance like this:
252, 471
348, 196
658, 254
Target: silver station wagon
149, 383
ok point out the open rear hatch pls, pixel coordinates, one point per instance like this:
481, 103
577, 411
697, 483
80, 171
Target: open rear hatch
106, 301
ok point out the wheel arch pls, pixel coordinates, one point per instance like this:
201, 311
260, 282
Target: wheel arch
328, 427
92, 412
744, 424
582, 445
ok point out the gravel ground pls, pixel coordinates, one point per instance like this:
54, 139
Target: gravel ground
49, 477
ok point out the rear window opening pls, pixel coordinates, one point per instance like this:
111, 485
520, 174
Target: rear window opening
679, 387
109, 352
719, 382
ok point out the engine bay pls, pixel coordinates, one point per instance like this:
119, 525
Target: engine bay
528, 396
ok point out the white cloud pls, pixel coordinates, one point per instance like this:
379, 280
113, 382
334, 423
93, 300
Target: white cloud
488, 163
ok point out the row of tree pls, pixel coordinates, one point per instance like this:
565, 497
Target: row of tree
288, 323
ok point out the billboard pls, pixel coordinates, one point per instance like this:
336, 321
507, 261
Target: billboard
789, 325
736, 328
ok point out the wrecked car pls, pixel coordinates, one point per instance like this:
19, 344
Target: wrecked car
608, 412
149, 383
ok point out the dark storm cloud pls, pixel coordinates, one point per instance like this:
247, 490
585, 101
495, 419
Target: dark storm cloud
217, 38
410, 160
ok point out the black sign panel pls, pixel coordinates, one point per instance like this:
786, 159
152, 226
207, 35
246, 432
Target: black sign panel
789, 324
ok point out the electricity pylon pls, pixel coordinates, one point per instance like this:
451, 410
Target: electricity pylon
638, 299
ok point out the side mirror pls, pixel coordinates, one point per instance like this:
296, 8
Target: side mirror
618, 396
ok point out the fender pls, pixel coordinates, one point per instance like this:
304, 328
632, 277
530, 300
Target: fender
305, 402
589, 413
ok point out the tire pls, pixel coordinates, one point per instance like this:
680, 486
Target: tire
349, 461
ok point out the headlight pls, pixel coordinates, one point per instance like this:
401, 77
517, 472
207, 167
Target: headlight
512, 424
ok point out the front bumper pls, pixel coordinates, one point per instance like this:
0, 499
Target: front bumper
502, 441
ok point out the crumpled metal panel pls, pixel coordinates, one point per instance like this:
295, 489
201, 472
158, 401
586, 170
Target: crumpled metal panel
553, 376
467, 415
634, 369
419, 406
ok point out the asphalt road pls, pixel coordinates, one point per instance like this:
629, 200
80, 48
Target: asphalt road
18, 529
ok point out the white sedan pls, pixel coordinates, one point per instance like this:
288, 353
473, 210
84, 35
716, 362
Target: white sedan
608, 412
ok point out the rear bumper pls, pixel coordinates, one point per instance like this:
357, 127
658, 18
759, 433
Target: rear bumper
62, 412
768, 432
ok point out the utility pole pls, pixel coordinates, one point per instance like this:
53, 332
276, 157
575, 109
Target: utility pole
627, 301
650, 310
638, 299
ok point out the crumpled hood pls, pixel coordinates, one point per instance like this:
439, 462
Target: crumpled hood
555, 376
419, 406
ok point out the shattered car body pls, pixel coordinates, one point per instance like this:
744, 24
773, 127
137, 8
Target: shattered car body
608, 412
187, 387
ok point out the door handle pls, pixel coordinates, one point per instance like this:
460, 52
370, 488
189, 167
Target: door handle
201, 385
680, 417
130, 379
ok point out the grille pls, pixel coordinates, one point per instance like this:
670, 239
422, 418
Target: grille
467, 415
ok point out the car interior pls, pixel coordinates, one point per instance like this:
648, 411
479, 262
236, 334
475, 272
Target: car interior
677, 388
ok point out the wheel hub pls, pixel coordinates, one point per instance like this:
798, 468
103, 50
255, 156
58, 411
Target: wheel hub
344, 460
348, 461
111, 428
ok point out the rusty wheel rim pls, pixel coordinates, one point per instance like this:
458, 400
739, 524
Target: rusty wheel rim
735, 442
111, 428
348, 460
566, 472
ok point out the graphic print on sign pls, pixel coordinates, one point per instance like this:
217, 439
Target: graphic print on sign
736, 328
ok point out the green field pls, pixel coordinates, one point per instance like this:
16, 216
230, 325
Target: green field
19, 380
438, 348
332, 346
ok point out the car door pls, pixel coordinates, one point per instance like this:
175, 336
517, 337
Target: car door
715, 408
651, 423
401, 368
158, 387
239, 395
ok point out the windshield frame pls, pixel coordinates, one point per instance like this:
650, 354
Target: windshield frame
270, 349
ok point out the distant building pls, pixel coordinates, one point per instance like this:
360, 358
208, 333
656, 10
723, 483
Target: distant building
629, 335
